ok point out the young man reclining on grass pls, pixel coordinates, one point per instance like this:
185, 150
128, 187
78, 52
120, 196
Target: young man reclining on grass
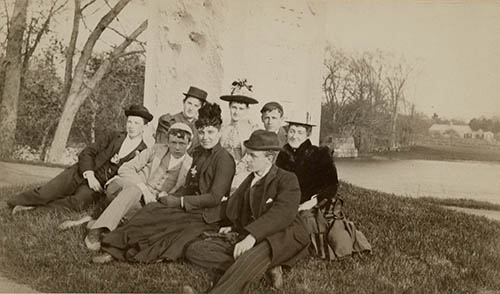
81, 184
155, 172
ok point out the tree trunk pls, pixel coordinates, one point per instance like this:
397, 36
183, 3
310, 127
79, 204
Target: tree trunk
394, 119
12, 81
70, 51
79, 92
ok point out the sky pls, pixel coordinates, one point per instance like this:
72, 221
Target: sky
453, 46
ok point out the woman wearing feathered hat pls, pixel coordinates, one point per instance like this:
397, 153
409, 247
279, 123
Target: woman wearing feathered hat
239, 129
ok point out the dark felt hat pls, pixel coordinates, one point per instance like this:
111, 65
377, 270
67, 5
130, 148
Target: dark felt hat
263, 140
196, 93
239, 98
139, 110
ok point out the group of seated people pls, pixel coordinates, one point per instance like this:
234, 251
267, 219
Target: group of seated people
228, 197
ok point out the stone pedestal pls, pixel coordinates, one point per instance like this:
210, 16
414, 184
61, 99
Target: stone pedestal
278, 46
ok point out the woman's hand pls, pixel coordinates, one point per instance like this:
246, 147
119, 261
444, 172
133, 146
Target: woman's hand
225, 230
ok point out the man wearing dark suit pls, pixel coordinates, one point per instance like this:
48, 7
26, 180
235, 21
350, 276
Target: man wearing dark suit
193, 100
264, 224
82, 183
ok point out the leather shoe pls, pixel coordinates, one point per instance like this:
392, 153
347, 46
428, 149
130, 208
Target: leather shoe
73, 223
18, 208
103, 258
93, 240
188, 290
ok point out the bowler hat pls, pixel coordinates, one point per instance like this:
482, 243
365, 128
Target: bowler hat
196, 93
139, 110
263, 140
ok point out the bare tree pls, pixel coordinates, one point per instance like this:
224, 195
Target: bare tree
396, 81
12, 84
34, 33
81, 87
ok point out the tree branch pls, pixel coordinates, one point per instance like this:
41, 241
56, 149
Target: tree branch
103, 68
130, 53
87, 5
70, 51
94, 36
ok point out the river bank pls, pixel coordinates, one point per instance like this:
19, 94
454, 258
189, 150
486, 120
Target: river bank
489, 153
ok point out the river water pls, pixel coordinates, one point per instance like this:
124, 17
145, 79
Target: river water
418, 178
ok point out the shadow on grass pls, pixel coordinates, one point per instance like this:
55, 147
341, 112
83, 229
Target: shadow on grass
418, 248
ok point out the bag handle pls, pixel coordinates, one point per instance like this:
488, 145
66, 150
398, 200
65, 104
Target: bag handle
338, 204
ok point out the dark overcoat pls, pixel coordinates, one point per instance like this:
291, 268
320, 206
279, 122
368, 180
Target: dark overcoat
314, 167
268, 211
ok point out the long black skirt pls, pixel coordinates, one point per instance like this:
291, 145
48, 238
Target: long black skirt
155, 233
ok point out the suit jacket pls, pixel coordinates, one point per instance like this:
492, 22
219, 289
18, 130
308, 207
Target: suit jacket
314, 167
208, 181
269, 211
164, 123
97, 157
144, 166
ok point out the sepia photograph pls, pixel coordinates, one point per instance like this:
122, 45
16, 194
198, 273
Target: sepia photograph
263, 146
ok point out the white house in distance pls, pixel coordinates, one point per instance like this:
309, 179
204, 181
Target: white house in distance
463, 131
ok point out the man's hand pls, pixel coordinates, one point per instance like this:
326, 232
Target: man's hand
170, 201
225, 230
148, 196
93, 182
162, 194
308, 204
243, 246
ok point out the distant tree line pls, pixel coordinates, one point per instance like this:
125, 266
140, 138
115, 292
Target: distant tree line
485, 124
365, 97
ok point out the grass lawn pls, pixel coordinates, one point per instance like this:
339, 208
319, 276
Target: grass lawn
418, 248
446, 152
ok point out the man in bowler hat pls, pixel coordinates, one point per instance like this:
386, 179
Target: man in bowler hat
79, 185
193, 100
264, 225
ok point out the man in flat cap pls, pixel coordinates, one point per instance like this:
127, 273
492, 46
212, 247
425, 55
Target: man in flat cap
193, 100
81, 184
157, 171
266, 230
272, 118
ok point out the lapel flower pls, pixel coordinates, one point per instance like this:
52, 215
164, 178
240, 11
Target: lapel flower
115, 159
193, 171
